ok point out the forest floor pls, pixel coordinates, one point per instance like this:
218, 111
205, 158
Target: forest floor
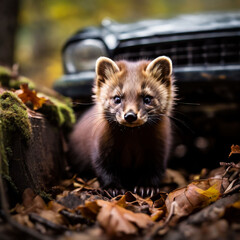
204, 206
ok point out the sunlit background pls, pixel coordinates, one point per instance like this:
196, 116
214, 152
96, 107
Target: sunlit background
45, 25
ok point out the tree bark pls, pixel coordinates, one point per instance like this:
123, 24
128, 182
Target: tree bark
41, 164
8, 25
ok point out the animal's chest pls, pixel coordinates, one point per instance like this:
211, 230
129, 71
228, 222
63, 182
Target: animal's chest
133, 153
132, 150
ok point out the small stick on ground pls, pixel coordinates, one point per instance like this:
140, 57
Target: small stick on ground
159, 227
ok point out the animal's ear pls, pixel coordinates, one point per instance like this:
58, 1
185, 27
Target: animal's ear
161, 69
105, 68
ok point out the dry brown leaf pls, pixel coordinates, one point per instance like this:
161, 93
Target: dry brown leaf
115, 219
157, 214
31, 203
27, 197
52, 216
24, 220
173, 176
155, 201
137, 204
195, 196
234, 149
122, 202
90, 210
55, 207
130, 198
27, 95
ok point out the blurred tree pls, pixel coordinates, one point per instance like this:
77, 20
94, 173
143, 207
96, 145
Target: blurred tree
8, 25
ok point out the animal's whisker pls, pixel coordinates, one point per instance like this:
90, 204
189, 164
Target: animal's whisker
182, 123
82, 104
185, 103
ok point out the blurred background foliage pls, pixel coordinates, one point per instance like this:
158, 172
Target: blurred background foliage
44, 26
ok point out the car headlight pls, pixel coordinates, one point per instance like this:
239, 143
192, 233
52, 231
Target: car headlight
82, 56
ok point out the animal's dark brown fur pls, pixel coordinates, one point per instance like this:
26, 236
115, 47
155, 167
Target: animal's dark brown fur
125, 137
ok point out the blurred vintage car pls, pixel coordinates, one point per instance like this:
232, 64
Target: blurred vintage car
205, 50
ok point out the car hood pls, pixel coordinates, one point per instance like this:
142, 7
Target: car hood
113, 32
180, 24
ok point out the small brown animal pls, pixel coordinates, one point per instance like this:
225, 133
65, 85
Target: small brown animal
125, 137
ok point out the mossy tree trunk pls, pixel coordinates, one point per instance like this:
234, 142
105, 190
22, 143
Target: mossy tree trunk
8, 24
31, 148
41, 163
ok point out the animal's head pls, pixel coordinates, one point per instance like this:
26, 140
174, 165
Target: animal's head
133, 93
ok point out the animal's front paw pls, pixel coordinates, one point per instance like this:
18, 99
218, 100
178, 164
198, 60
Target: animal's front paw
113, 192
141, 191
146, 191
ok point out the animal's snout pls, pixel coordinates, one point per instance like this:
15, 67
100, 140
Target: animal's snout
130, 117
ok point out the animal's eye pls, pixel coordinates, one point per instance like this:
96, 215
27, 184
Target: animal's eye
147, 99
117, 99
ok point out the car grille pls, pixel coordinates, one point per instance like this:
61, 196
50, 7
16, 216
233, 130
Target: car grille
220, 48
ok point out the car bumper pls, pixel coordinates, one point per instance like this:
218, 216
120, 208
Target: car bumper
75, 85
80, 85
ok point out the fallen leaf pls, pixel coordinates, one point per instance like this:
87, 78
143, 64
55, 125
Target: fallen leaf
27, 197
173, 176
27, 95
234, 149
115, 219
196, 195
122, 201
52, 216
158, 214
24, 220
31, 203
212, 194
86, 185
217, 172
90, 210
55, 207
232, 212
130, 199
236, 205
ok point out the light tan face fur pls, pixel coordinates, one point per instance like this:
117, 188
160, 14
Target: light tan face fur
134, 83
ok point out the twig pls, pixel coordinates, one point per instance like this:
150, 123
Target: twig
230, 164
36, 218
229, 186
226, 171
234, 189
15, 71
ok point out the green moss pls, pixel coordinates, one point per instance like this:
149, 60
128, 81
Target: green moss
46, 196
13, 121
15, 83
7, 80
59, 113
3, 163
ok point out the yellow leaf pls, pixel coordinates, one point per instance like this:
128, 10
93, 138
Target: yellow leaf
236, 205
158, 214
211, 193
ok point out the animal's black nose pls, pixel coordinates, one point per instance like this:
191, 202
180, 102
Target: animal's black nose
130, 117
